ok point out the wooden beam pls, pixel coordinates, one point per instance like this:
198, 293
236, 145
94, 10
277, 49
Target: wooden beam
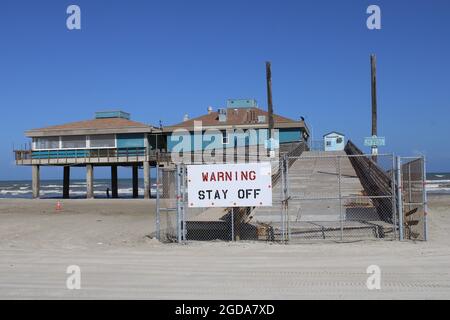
373, 67
269, 97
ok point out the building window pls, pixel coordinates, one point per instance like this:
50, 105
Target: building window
225, 138
339, 140
73, 142
46, 143
328, 143
103, 141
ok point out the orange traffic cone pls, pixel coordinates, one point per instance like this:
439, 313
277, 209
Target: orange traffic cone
58, 206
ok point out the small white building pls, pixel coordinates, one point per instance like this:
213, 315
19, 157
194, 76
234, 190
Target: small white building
334, 141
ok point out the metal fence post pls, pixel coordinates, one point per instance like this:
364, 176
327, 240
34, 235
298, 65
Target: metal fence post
400, 198
184, 177
425, 200
341, 218
286, 180
283, 199
178, 198
232, 223
409, 183
393, 195
158, 206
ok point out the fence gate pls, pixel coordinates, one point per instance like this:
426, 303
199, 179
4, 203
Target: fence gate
341, 197
232, 223
167, 227
316, 196
412, 198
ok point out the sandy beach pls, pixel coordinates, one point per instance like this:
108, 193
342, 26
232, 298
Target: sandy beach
109, 240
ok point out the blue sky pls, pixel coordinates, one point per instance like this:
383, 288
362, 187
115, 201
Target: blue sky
161, 59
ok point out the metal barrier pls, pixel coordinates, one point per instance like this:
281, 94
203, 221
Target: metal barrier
167, 210
316, 196
215, 223
412, 198
377, 183
316, 145
327, 200
238, 223
104, 154
294, 150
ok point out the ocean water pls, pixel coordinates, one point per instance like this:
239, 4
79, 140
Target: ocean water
437, 183
54, 188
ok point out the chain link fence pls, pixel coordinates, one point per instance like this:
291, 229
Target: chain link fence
316, 196
166, 205
328, 199
412, 195
230, 223
316, 145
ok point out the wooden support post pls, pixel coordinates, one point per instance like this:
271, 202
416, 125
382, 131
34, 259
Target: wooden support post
36, 181
114, 186
373, 68
146, 180
66, 182
89, 181
146, 146
269, 98
135, 181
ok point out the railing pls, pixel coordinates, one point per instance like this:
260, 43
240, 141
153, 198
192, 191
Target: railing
74, 154
291, 149
316, 145
296, 152
291, 154
381, 179
375, 181
22, 154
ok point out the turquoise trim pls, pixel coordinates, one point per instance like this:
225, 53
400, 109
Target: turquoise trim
209, 141
130, 140
290, 135
86, 153
56, 154
131, 152
241, 103
112, 114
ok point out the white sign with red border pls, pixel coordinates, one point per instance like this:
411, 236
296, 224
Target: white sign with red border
230, 185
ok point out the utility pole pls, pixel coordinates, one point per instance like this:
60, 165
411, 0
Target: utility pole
269, 97
373, 67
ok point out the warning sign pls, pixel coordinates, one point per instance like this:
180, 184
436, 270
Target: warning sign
230, 185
